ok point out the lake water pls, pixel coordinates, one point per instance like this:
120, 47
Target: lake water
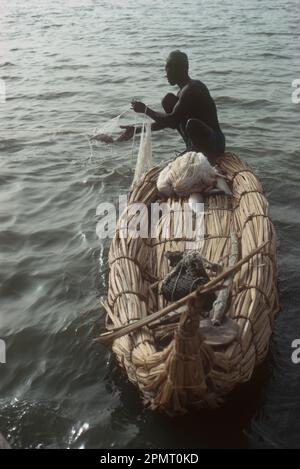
68, 67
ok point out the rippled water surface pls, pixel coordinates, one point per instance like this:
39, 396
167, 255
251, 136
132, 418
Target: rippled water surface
68, 67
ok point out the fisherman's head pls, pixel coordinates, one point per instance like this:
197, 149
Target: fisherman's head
177, 67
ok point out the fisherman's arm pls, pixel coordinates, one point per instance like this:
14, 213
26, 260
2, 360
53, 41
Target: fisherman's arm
129, 130
161, 118
167, 120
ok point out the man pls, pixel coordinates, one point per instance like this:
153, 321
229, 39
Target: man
192, 112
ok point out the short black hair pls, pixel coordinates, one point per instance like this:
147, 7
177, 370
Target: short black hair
179, 59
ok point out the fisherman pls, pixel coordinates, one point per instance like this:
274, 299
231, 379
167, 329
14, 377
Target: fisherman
192, 112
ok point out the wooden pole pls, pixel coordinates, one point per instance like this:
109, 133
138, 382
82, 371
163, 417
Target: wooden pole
109, 337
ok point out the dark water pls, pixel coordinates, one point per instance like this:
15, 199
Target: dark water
72, 65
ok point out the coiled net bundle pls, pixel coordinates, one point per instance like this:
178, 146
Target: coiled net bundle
188, 173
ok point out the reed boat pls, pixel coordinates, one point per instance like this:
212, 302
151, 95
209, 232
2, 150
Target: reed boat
177, 354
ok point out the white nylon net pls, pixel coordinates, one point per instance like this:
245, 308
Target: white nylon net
109, 132
144, 158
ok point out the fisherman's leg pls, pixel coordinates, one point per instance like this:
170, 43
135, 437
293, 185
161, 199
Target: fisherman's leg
168, 102
205, 140
199, 135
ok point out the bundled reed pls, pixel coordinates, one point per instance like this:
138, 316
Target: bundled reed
177, 358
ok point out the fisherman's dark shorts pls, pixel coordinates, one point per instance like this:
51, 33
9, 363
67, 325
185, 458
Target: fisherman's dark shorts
212, 143
217, 142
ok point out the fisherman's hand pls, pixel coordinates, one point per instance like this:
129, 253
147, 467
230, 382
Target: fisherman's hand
138, 106
127, 135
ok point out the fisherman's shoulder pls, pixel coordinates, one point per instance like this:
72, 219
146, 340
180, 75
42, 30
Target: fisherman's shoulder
195, 88
191, 87
199, 86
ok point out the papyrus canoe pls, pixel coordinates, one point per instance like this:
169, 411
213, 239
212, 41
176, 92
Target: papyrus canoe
173, 362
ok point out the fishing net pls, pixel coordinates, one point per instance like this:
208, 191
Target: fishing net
188, 272
109, 131
144, 159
